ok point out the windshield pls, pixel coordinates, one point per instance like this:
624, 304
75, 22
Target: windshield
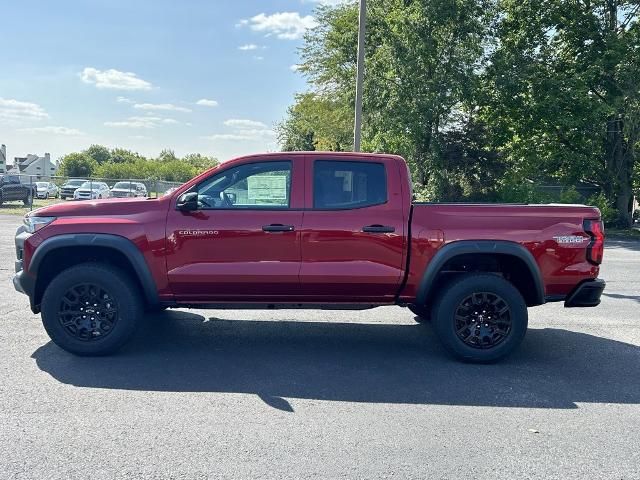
75, 183
42, 184
90, 186
124, 185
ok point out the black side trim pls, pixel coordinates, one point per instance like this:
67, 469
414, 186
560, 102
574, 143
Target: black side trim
587, 294
462, 247
116, 242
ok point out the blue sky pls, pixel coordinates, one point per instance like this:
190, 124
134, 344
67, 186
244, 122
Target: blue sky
208, 76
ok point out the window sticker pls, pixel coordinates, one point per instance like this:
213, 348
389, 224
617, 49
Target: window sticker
267, 187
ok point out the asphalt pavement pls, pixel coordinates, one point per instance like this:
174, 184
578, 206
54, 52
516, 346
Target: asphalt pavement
317, 394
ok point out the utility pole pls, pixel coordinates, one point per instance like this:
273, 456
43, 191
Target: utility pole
362, 26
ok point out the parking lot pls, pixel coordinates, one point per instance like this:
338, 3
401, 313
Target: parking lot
317, 394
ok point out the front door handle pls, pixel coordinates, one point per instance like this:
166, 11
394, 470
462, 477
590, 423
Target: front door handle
378, 229
278, 227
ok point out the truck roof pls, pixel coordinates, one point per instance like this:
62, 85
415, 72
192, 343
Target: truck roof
354, 155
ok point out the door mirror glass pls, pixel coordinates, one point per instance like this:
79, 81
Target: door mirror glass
188, 202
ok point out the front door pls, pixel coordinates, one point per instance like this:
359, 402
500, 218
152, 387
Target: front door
243, 242
353, 232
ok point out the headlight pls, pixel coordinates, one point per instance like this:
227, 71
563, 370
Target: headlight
34, 224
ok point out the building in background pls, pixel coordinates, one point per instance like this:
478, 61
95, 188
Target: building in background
3, 158
34, 165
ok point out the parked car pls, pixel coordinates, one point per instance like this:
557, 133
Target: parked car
129, 189
310, 230
47, 190
11, 189
92, 191
70, 186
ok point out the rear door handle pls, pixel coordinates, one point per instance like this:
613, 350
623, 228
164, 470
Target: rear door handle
378, 229
278, 227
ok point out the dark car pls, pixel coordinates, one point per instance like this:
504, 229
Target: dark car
11, 189
69, 187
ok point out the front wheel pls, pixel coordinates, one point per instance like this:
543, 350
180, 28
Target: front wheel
28, 200
480, 318
422, 313
91, 309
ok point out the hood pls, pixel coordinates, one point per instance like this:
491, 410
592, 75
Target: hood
109, 207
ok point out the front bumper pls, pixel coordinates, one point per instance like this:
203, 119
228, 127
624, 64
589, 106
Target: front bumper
587, 294
22, 281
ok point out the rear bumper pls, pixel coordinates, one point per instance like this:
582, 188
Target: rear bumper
587, 294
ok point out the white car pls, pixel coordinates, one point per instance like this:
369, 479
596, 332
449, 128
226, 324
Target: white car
129, 189
47, 190
92, 191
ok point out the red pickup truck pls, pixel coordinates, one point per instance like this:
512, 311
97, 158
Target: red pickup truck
306, 230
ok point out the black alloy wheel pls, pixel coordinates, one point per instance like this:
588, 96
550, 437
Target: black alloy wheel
483, 320
480, 317
88, 312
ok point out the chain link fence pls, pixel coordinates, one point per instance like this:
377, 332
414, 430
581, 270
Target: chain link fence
33, 191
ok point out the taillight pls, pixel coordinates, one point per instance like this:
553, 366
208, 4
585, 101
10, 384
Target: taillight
595, 249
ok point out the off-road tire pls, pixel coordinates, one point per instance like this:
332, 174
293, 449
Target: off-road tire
448, 322
120, 288
422, 314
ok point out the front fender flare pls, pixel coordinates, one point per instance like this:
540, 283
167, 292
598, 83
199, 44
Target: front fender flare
115, 242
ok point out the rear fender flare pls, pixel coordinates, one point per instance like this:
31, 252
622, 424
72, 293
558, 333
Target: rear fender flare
500, 247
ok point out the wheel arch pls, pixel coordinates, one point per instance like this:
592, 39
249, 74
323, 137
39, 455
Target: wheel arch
510, 256
63, 251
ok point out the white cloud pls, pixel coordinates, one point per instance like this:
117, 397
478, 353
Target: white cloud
124, 100
54, 130
284, 25
225, 136
258, 58
160, 106
139, 137
244, 124
249, 46
114, 79
331, 2
141, 122
16, 112
244, 130
205, 102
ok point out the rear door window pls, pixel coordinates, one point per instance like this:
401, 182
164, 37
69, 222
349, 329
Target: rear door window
341, 185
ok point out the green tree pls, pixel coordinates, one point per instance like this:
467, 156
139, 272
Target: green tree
563, 92
77, 165
167, 155
423, 60
99, 153
122, 155
200, 162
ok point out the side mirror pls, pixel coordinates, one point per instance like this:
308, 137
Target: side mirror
187, 202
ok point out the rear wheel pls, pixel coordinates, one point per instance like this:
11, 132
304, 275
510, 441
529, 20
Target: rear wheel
480, 317
91, 309
28, 199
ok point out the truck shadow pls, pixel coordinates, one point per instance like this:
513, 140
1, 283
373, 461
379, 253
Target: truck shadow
276, 360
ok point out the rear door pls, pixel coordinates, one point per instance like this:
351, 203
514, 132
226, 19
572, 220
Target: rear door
353, 231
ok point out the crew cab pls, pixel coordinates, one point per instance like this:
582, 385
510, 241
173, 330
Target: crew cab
306, 230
